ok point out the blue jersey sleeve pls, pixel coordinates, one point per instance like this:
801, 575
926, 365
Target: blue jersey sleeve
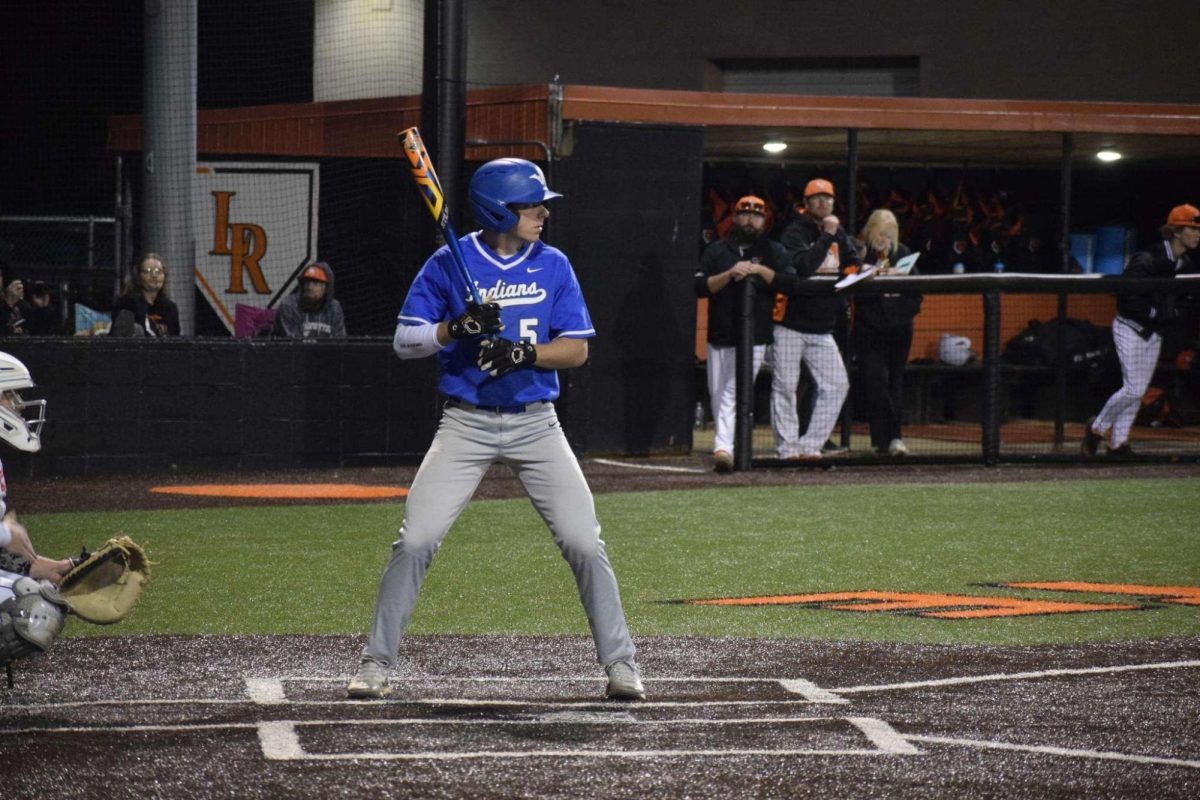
433, 297
569, 316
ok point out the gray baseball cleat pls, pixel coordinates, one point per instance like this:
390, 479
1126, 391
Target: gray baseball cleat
624, 682
371, 682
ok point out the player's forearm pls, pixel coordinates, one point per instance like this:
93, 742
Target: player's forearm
562, 353
419, 341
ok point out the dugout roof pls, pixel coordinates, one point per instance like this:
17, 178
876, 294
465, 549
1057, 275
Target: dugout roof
890, 130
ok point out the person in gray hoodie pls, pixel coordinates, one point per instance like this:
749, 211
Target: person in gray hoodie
311, 311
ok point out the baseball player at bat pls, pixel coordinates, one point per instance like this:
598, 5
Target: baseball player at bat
499, 360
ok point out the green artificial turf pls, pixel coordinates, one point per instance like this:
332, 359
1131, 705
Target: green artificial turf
314, 569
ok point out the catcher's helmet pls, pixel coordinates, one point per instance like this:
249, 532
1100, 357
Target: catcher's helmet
506, 180
22, 432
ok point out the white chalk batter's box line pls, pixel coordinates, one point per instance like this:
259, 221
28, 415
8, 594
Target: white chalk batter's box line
271, 691
280, 739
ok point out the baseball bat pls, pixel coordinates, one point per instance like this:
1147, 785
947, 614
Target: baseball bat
435, 199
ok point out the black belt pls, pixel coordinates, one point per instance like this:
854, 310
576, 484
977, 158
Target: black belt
454, 402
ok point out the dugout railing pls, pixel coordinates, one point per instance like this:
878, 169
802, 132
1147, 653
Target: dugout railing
996, 408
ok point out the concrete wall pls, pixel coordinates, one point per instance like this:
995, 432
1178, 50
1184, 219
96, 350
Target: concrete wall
1024, 49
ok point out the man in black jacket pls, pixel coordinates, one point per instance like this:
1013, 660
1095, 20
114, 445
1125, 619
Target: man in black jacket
745, 254
818, 245
1138, 326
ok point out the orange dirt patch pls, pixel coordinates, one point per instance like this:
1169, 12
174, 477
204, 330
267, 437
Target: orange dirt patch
290, 491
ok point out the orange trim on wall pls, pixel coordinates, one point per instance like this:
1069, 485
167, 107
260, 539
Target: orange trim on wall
616, 104
355, 128
367, 128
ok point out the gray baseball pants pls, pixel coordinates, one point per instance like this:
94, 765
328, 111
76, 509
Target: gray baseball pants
532, 444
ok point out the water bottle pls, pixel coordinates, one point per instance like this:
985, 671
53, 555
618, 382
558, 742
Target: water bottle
998, 266
699, 421
959, 268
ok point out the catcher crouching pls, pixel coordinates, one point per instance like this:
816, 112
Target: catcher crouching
37, 593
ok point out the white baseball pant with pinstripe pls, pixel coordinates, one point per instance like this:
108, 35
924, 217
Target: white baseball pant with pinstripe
820, 352
1138, 358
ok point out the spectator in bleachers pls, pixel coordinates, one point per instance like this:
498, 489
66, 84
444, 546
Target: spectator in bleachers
145, 308
311, 311
12, 303
42, 317
1138, 327
882, 336
745, 254
818, 245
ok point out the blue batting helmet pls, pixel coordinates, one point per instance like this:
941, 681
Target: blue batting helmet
506, 180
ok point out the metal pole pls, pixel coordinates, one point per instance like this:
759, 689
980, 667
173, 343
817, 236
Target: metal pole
169, 147
991, 377
846, 414
1068, 149
1060, 369
743, 429
91, 257
852, 180
444, 96
118, 222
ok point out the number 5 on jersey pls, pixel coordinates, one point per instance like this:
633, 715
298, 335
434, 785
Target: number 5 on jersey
529, 330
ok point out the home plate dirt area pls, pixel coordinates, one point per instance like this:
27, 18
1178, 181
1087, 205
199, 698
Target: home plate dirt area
264, 716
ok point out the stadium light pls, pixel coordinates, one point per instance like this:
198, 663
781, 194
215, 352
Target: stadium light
1108, 155
774, 146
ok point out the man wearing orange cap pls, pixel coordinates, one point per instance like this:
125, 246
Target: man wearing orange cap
745, 254
1138, 326
311, 311
818, 245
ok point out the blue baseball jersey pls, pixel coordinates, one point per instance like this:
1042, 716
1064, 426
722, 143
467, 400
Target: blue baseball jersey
539, 298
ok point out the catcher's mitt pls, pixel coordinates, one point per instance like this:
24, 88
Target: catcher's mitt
103, 587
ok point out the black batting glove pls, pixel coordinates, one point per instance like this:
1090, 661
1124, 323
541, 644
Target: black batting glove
500, 356
477, 320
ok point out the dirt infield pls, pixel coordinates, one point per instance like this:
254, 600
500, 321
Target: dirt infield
522, 717
604, 475
506, 717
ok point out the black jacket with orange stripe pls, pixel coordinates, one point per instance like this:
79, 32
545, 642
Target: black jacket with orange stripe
813, 252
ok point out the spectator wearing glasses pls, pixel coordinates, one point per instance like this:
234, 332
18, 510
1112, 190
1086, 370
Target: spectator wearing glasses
145, 308
1138, 327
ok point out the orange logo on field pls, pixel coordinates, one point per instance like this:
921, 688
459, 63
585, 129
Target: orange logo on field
1173, 595
938, 606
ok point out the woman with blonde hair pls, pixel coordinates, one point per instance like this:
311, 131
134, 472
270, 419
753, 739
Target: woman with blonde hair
145, 308
882, 336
